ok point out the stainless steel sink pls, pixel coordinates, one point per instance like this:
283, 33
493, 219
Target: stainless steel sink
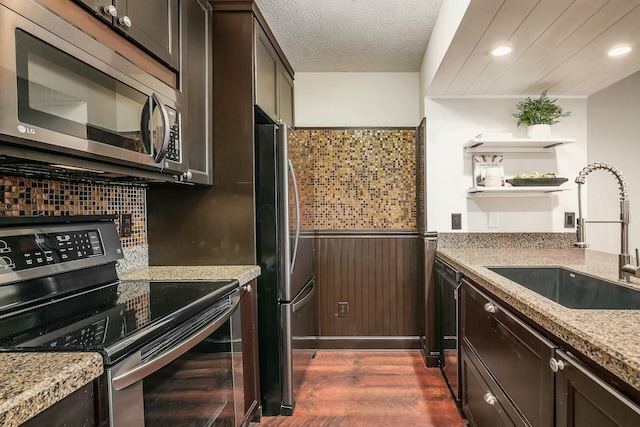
572, 289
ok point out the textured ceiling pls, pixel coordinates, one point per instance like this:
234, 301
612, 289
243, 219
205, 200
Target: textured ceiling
352, 35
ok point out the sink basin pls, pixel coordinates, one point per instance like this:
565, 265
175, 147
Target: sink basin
572, 289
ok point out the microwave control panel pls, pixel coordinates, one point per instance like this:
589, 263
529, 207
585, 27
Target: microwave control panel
173, 150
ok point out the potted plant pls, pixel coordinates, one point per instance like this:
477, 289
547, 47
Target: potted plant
539, 114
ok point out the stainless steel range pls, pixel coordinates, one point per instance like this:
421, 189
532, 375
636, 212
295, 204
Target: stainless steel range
168, 346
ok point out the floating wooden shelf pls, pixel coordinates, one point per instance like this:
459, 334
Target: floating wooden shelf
514, 145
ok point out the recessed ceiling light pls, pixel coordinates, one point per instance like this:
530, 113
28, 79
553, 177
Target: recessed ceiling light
501, 51
619, 51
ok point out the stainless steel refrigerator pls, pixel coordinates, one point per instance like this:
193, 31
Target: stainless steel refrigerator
286, 287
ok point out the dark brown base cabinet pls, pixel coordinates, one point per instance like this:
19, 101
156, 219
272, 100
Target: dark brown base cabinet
250, 355
508, 380
515, 355
583, 399
77, 409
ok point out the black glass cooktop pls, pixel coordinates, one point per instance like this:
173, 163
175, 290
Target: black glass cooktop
115, 319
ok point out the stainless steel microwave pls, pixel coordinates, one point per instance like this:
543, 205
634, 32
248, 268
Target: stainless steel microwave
66, 94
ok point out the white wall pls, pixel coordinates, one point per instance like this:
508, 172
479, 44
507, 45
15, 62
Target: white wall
356, 99
449, 18
453, 122
614, 137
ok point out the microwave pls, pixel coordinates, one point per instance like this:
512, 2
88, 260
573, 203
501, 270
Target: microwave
67, 96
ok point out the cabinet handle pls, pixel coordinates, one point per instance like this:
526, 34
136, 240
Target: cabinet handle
556, 365
246, 288
111, 10
490, 398
125, 21
490, 308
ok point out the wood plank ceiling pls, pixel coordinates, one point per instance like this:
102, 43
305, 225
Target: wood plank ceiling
558, 45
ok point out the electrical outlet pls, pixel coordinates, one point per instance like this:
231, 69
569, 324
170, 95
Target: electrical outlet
343, 309
569, 219
126, 224
456, 221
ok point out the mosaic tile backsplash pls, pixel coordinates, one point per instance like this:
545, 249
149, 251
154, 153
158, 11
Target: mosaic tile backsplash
45, 197
355, 178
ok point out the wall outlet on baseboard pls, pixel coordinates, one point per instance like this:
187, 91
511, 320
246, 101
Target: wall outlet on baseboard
343, 309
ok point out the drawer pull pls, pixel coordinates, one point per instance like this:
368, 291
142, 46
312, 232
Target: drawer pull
490, 308
556, 365
246, 288
490, 398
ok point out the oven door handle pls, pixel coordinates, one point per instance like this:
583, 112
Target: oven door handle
138, 373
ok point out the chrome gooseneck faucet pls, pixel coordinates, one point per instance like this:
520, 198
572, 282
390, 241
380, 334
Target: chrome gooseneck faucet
624, 259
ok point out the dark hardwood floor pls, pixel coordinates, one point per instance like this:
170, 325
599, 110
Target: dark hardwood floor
371, 388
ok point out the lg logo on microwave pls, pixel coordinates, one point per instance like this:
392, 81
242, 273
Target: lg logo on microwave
24, 129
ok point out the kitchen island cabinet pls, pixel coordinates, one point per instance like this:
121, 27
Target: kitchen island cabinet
595, 359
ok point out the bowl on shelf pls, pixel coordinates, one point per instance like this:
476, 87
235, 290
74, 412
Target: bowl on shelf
537, 182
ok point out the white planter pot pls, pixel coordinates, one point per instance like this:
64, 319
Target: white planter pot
539, 131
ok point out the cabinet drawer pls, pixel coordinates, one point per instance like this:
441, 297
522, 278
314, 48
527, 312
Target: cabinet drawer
483, 402
515, 355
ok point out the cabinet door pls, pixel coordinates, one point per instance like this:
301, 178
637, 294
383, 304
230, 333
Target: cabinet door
77, 409
153, 24
250, 352
196, 89
98, 6
482, 403
285, 96
582, 399
516, 355
266, 75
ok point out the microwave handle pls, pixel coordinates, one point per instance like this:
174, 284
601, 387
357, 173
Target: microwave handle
124, 380
157, 147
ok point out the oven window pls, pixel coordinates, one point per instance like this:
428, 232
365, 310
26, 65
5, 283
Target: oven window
197, 388
60, 93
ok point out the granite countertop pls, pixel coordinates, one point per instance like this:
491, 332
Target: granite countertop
31, 382
244, 273
608, 337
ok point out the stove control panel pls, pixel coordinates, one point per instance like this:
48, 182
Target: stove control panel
35, 250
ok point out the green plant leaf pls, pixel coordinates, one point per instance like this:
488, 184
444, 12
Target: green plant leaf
540, 111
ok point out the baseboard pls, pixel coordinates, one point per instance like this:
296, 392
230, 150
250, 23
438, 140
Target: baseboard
368, 343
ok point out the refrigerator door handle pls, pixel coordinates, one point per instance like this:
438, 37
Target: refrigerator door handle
299, 304
295, 195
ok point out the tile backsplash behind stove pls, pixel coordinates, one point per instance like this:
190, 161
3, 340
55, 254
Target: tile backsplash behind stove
21, 196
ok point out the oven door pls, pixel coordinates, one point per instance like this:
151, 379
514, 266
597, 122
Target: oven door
183, 378
58, 96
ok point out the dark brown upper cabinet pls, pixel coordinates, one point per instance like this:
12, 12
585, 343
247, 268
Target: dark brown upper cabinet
152, 24
274, 84
196, 51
